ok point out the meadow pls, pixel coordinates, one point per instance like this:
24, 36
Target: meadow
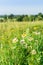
21, 43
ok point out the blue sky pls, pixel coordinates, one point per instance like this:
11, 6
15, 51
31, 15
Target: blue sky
21, 6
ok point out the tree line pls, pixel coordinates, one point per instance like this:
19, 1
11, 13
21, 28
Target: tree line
20, 18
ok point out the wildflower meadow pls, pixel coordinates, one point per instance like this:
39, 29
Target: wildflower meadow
21, 43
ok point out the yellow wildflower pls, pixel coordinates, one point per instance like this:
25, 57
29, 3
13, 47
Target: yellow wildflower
23, 35
35, 28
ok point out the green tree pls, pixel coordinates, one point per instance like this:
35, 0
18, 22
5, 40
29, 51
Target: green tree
26, 18
40, 16
5, 18
20, 18
32, 18
11, 17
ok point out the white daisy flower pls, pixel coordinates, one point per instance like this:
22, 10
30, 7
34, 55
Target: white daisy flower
33, 52
15, 40
36, 33
31, 39
22, 41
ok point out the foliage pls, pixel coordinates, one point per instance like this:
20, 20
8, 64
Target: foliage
21, 44
26, 18
21, 18
11, 16
5, 17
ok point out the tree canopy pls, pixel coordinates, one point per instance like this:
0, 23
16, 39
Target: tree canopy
37, 17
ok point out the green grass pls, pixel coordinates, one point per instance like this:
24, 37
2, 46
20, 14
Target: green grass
21, 43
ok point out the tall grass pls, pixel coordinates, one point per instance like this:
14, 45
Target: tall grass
21, 43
